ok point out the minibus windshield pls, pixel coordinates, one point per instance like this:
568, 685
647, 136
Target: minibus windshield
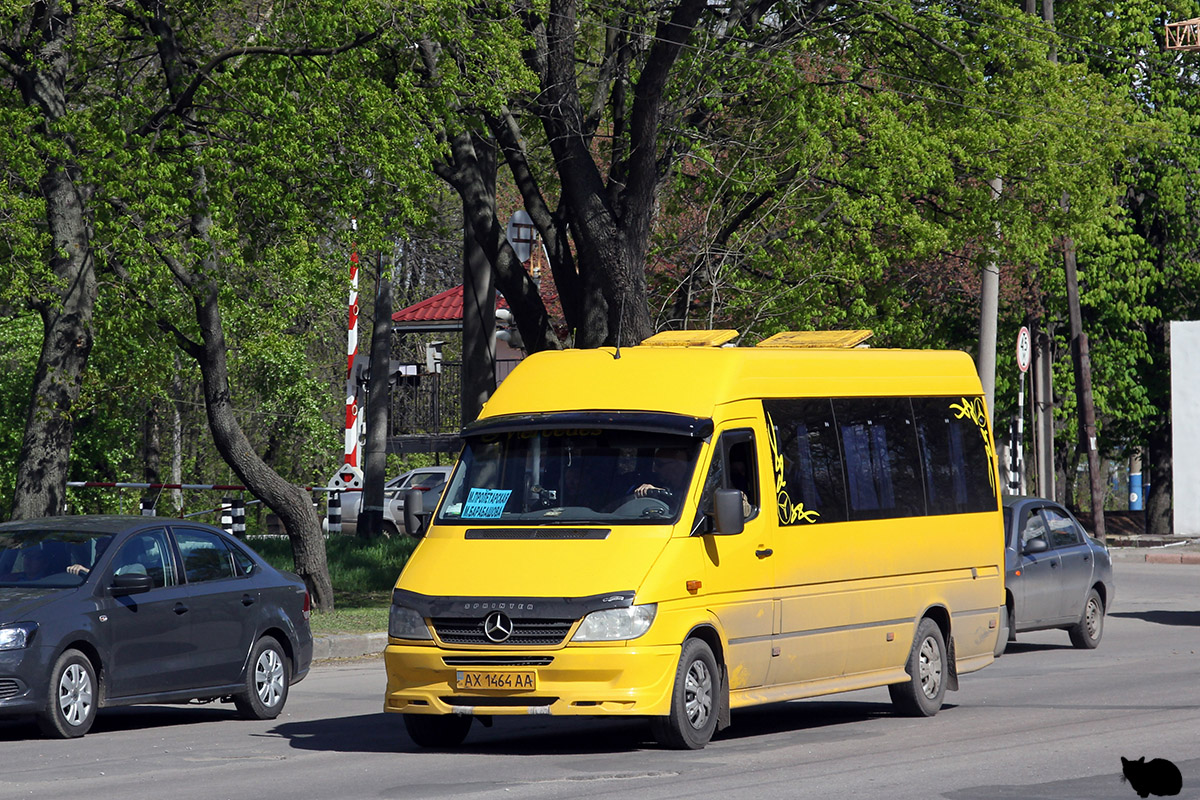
575, 476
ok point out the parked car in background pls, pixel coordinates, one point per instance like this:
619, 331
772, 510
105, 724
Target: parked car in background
100, 611
431, 480
1057, 575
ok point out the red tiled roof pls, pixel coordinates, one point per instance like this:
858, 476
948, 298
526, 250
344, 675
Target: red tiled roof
444, 307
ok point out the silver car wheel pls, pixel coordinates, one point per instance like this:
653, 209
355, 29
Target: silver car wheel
698, 694
75, 694
1091, 617
268, 677
930, 668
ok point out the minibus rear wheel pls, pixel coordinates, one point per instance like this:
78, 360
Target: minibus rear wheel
694, 701
922, 694
428, 730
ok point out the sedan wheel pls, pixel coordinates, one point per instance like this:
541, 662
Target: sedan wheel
71, 697
1086, 634
266, 682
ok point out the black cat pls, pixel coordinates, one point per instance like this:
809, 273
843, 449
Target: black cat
1159, 777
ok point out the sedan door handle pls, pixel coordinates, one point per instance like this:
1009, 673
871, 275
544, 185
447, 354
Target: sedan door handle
180, 608
764, 553
247, 600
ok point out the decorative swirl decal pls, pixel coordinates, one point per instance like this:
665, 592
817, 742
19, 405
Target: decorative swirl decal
790, 512
974, 410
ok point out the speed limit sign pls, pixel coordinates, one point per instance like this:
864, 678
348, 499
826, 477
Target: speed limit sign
1024, 348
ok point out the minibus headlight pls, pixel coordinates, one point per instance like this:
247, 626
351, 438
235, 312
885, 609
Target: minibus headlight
16, 637
407, 623
616, 624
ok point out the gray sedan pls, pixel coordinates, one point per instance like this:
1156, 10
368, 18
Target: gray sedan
100, 611
1057, 576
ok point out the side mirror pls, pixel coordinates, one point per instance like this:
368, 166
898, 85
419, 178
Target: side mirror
727, 510
414, 510
1035, 546
131, 583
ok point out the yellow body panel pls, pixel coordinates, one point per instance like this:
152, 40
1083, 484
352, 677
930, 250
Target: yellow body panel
834, 607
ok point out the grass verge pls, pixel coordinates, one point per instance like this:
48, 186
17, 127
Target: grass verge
362, 571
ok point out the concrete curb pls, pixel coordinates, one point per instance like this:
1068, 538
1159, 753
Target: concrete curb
348, 645
1158, 555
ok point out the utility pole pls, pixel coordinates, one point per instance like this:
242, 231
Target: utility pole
989, 304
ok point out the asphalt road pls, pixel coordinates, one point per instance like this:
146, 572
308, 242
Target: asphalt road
1045, 721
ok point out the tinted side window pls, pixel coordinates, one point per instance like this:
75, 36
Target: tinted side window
1034, 528
146, 554
242, 561
807, 461
1063, 531
954, 445
205, 556
879, 444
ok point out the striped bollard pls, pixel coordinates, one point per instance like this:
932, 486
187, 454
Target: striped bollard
335, 512
238, 512
227, 514
147, 507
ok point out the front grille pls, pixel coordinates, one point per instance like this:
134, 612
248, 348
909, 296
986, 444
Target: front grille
526, 632
9, 688
498, 661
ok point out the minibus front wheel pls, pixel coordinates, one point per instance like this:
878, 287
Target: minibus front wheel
438, 732
928, 670
695, 701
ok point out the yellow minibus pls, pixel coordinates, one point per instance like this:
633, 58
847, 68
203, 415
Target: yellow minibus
684, 528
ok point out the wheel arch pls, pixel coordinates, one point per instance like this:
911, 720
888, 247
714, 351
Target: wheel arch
708, 633
940, 615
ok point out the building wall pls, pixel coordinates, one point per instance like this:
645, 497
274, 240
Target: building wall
1185, 425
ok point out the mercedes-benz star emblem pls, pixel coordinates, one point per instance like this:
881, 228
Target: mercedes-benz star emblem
497, 627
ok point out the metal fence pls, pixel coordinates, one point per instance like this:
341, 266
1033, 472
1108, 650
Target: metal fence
432, 402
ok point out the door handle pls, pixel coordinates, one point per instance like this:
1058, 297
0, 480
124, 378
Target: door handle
764, 553
180, 608
247, 600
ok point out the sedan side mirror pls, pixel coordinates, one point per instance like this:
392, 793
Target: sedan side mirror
414, 510
1035, 546
131, 583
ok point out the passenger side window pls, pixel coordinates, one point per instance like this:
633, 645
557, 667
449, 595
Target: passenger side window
242, 561
879, 442
807, 461
1063, 530
955, 452
147, 554
1034, 528
205, 556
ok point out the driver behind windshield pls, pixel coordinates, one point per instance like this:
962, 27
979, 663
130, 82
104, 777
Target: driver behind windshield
668, 470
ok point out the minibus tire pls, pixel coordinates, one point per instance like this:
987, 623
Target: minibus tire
695, 700
428, 730
928, 669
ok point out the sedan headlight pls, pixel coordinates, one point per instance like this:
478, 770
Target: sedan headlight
16, 637
616, 624
407, 623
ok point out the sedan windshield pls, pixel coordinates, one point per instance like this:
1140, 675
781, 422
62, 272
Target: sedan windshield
575, 476
48, 558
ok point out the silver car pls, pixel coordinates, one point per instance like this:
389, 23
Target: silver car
430, 480
1057, 576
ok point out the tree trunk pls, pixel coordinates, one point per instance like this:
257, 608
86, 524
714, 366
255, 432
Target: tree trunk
1081, 360
66, 315
291, 503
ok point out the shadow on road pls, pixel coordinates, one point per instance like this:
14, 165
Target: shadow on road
1188, 618
526, 736
113, 720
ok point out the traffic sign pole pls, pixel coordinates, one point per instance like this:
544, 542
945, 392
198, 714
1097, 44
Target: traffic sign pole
1024, 352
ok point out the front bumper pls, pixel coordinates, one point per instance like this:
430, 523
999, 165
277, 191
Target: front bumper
578, 681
